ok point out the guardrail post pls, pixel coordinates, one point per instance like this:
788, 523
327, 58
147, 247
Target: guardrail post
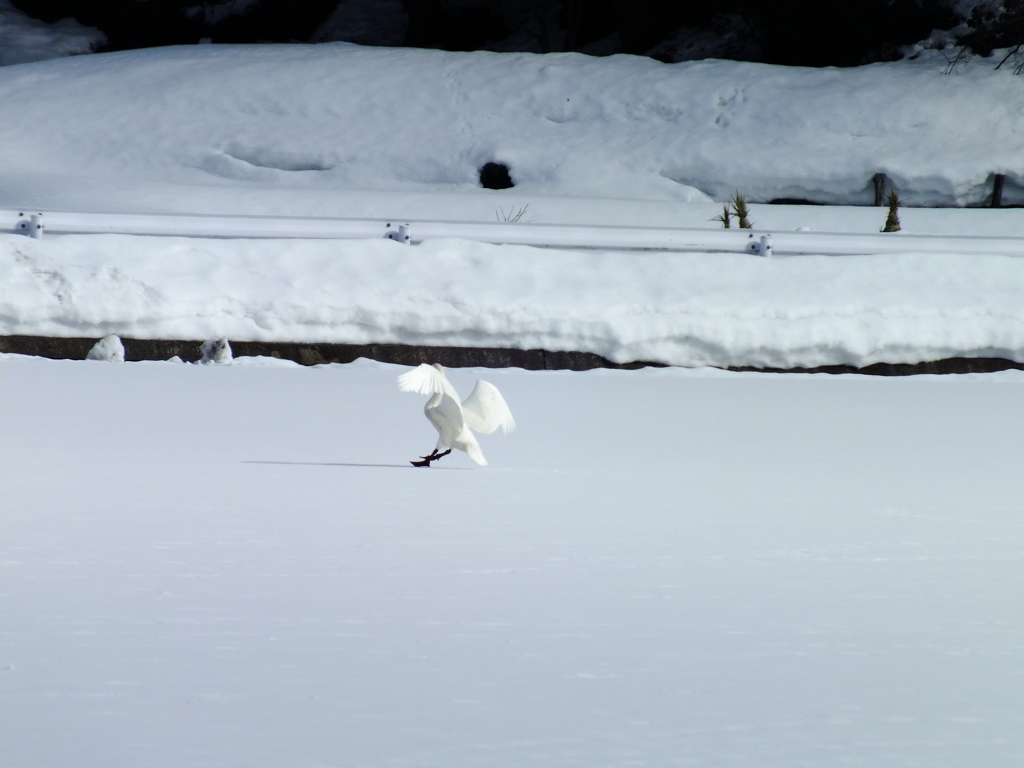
762, 247
31, 225
402, 235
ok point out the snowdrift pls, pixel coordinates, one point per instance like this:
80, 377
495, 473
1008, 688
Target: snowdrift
681, 309
177, 124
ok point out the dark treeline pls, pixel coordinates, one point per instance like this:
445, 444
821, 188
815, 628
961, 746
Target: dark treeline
145, 23
804, 32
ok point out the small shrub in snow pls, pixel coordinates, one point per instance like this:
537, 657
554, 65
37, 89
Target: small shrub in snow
216, 351
741, 211
992, 26
514, 215
892, 221
725, 217
109, 348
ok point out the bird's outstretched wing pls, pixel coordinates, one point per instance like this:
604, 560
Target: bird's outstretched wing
485, 410
426, 380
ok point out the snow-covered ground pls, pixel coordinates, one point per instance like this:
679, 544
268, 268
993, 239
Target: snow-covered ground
340, 130
212, 128
683, 309
234, 566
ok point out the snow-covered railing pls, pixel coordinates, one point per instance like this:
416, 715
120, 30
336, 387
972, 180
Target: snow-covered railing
764, 243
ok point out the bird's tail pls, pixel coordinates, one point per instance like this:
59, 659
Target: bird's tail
473, 448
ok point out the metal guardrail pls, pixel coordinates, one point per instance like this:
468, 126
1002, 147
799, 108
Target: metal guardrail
758, 242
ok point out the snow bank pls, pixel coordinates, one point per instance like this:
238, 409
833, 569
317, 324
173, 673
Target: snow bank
24, 39
682, 309
193, 127
340, 130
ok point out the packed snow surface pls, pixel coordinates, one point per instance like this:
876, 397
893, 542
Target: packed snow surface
233, 565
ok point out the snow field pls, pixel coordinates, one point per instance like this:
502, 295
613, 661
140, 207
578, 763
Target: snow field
234, 566
212, 128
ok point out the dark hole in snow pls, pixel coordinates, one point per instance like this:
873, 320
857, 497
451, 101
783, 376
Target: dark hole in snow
495, 176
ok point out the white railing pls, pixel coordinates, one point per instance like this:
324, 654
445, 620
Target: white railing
758, 242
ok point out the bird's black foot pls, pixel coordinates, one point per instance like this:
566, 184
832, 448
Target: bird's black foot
433, 456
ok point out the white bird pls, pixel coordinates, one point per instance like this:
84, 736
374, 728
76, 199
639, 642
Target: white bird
484, 411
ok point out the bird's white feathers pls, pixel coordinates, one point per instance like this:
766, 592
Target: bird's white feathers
426, 380
485, 410
446, 416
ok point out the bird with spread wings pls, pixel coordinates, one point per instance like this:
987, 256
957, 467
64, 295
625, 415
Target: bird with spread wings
484, 411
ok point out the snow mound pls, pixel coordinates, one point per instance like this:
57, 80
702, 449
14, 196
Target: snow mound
188, 127
24, 39
109, 349
215, 351
681, 309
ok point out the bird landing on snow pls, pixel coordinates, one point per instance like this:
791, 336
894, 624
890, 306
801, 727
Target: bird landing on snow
484, 411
